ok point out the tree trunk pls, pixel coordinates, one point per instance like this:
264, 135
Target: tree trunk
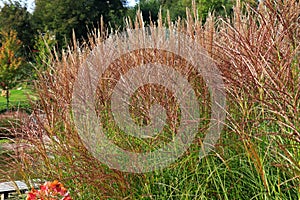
7, 100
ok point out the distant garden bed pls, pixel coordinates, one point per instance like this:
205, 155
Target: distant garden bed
19, 108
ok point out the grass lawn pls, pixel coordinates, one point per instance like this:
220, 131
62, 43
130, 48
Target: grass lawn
18, 99
3, 141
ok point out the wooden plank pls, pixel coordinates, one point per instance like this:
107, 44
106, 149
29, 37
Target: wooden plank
11, 187
8, 187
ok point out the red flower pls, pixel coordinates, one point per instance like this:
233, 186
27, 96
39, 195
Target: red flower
49, 191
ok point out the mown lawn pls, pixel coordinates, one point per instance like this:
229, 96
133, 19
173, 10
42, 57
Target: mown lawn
19, 98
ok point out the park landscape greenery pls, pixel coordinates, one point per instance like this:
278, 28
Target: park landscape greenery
255, 46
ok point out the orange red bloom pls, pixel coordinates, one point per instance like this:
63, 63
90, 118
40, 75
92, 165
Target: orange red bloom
49, 191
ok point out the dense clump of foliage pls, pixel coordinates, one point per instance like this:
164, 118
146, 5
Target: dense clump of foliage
15, 17
61, 17
257, 156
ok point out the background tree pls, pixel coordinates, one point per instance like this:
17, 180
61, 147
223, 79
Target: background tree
60, 17
149, 9
177, 8
11, 62
44, 45
14, 16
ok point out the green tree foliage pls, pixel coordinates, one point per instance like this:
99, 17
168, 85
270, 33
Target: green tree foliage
60, 17
220, 7
177, 8
11, 61
149, 9
13, 16
45, 43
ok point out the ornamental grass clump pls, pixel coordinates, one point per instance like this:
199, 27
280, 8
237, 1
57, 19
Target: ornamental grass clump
257, 156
